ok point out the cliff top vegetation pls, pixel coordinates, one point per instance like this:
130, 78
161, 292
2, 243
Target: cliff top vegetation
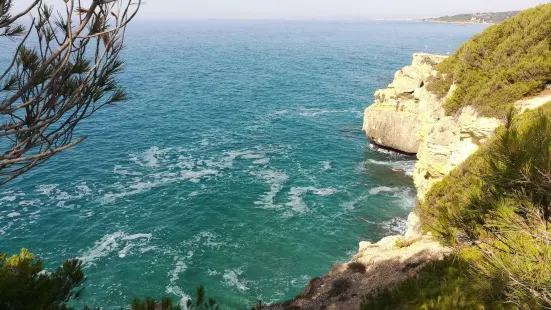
503, 64
495, 208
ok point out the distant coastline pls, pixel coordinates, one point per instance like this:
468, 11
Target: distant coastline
473, 19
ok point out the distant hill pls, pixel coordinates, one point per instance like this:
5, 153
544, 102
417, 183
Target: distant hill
476, 18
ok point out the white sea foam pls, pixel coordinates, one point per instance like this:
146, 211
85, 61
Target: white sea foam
407, 166
231, 278
26, 203
382, 150
406, 195
395, 226
276, 180
212, 272
316, 112
13, 214
326, 165
47, 189
383, 189
8, 198
158, 179
281, 112
259, 156
262, 161
180, 266
151, 157
112, 242
296, 197
351, 205
120, 170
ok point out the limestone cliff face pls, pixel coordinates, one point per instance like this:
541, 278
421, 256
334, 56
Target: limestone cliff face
409, 118
400, 112
448, 143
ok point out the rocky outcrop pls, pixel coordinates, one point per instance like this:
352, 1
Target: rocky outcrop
375, 267
397, 117
448, 143
413, 120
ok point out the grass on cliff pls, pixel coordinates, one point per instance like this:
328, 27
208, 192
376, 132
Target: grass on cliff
503, 64
496, 207
447, 284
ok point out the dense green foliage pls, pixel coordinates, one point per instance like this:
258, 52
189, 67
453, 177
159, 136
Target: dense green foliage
447, 284
499, 200
515, 163
505, 63
24, 285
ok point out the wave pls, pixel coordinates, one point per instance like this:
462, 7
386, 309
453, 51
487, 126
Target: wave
315, 112
231, 278
151, 157
407, 166
8, 198
383, 189
112, 242
180, 266
13, 214
395, 226
276, 180
351, 205
385, 151
195, 249
281, 112
296, 197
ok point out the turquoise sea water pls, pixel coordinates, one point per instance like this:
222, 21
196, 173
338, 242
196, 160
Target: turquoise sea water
238, 162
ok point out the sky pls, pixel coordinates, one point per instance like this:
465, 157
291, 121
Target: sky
315, 9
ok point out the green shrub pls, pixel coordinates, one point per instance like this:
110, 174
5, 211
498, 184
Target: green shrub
503, 64
447, 284
24, 285
404, 243
500, 200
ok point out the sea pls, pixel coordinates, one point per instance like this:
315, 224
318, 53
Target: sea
238, 162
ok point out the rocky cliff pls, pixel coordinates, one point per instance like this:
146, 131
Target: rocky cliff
374, 268
409, 118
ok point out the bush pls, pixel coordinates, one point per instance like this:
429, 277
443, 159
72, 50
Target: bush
356, 267
500, 200
447, 284
516, 159
503, 64
404, 243
338, 287
24, 285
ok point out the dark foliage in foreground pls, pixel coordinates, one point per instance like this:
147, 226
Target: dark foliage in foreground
24, 284
63, 70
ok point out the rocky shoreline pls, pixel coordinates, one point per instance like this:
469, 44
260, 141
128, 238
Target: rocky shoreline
408, 118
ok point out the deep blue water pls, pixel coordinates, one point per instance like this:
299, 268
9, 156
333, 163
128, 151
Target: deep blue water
238, 162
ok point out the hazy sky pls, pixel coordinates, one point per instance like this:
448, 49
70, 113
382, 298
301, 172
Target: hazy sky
317, 9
